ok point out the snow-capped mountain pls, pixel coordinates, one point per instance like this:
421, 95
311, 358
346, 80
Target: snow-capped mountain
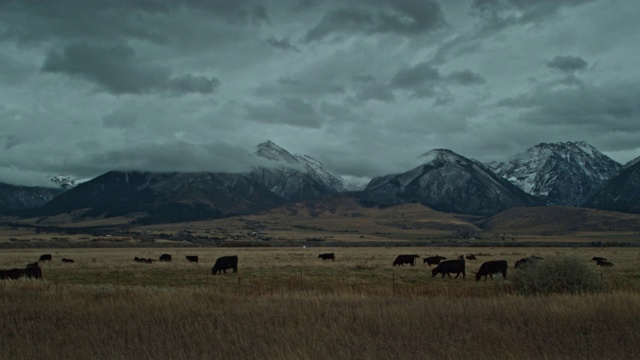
448, 182
621, 192
630, 163
560, 173
165, 197
16, 198
66, 181
295, 177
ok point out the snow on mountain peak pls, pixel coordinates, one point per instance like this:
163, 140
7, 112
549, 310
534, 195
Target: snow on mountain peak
66, 181
269, 150
288, 164
443, 155
565, 172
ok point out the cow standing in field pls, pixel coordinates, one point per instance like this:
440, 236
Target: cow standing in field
492, 267
448, 267
45, 257
327, 256
223, 263
405, 259
433, 260
165, 257
31, 271
192, 258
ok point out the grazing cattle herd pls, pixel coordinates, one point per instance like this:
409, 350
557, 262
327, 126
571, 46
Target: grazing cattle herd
224, 263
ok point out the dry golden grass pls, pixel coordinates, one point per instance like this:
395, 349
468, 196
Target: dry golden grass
45, 321
285, 303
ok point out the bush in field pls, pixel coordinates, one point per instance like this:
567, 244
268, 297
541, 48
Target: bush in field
556, 275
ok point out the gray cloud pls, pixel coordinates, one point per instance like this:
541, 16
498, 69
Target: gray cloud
466, 77
425, 80
175, 156
499, 14
601, 108
365, 86
282, 44
78, 20
286, 111
193, 84
416, 76
402, 17
568, 64
118, 70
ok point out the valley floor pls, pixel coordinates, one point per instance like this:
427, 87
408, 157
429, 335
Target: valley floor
286, 303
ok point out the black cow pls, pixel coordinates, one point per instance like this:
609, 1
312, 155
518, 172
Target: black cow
449, 266
192, 258
143, 260
223, 263
327, 256
165, 257
433, 260
598, 259
604, 263
527, 261
32, 271
492, 267
470, 257
45, 257
405, 259
65, 260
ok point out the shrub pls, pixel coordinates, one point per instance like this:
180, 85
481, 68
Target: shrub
559, 275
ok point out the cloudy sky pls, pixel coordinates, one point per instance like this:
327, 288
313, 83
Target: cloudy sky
364, 86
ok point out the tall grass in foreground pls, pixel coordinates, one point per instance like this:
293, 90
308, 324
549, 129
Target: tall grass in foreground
39, 320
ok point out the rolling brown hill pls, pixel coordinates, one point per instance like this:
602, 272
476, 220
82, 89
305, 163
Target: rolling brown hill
339, 217
559, 220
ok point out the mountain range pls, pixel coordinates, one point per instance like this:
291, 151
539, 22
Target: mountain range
559, 173
570, 173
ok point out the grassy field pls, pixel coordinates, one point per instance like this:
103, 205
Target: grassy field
285, 303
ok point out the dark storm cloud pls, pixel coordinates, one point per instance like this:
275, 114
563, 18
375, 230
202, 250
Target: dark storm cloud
118, 70
291, 111
466, 77
568, 64
309, 84
282, 44
193, 84
33, 20
605, 108
9, 141
409, 76
402, 17
366, 88
425, 80
499, 14
175, 156
415, 76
